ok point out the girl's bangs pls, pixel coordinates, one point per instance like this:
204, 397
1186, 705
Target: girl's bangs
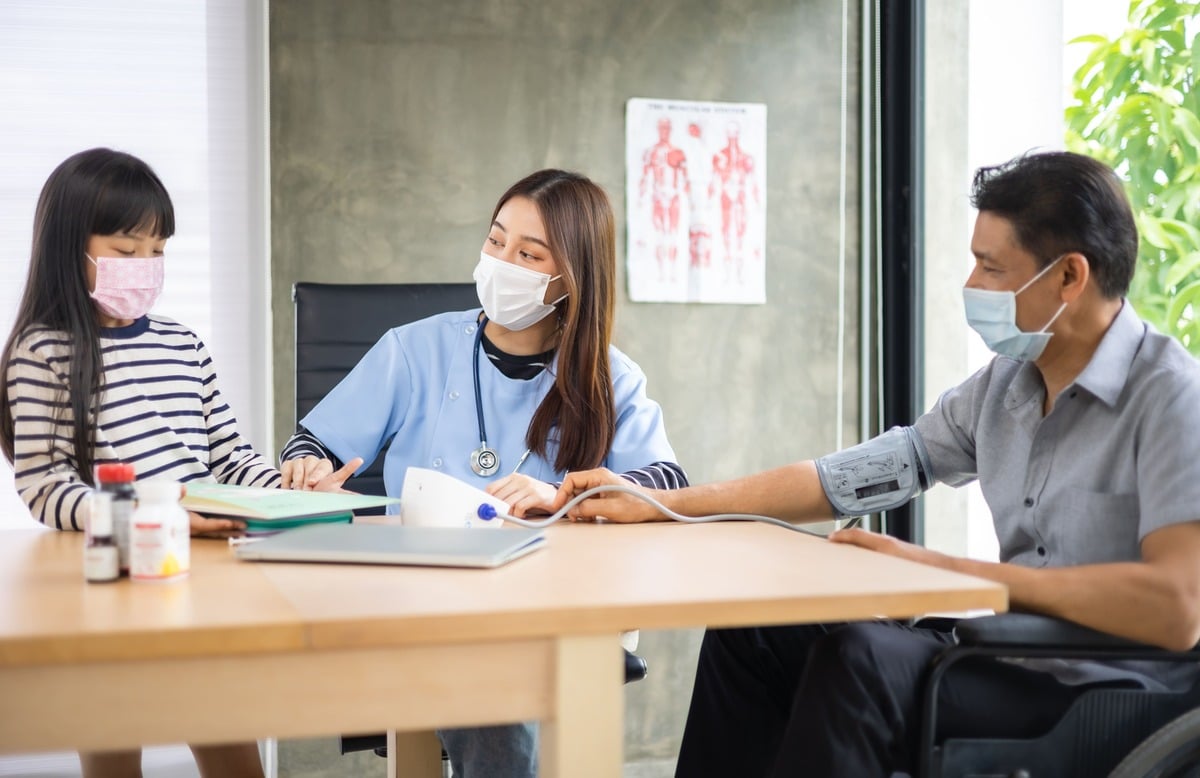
137, 204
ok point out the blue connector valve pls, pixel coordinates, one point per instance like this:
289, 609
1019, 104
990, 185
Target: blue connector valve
486, 512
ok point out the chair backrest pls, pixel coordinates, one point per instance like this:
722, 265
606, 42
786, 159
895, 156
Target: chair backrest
336, 324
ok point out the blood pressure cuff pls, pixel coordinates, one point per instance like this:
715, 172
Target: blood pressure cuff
881, 474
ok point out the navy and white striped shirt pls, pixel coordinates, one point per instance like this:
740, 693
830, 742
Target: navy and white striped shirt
160, 410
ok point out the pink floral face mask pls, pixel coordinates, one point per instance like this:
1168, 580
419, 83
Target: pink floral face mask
127, 287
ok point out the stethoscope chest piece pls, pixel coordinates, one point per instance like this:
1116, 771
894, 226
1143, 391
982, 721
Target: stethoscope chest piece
484, 461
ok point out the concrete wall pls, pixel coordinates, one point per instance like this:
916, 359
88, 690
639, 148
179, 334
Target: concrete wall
395, 126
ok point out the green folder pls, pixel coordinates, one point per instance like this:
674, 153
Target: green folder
264, 526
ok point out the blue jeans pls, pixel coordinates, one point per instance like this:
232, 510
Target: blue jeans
504, 751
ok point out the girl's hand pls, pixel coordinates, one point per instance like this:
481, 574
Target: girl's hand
525, 495
208, 527
305, 473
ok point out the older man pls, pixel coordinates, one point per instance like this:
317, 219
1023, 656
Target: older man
1084, 433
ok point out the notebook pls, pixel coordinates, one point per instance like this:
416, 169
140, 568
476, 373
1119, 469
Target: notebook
276, 507
391, 544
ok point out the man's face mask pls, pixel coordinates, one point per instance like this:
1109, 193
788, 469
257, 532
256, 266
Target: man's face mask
127, 287
512, 295
994, 316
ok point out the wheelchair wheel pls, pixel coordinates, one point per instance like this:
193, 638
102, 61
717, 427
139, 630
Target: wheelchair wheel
1171, 752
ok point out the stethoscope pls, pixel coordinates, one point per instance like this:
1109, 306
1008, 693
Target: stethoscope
484, 460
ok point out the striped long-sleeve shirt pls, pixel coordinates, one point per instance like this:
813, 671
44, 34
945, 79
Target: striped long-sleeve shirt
159, 410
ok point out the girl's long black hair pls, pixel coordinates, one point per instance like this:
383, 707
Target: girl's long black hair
94, 192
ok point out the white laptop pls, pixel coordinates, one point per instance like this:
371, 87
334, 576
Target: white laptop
391, 544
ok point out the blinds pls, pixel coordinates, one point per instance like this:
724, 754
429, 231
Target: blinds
181, 85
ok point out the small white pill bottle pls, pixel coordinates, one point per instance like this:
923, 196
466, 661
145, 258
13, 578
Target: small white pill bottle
159, 533
101, 560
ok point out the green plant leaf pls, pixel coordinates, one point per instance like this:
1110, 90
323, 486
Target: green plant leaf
1182, 268
1136, 106
1184, 236
1183, 304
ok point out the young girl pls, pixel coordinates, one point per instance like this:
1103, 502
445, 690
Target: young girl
90, 377
510, 397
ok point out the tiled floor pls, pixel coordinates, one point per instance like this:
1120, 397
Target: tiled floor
176, 762
158, 762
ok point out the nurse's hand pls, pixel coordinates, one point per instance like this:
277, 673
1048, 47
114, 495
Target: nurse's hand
304, 472
606, 506
333, 482
524, 495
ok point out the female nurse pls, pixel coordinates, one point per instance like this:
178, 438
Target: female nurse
510, 397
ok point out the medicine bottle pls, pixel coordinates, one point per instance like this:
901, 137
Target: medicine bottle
100, 561
160, 534
116, 479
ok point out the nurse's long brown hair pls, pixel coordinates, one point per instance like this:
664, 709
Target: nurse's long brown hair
579, 411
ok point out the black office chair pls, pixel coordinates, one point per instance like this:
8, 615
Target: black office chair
1120, 732
336, 324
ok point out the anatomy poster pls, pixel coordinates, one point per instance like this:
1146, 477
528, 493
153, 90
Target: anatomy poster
696, 201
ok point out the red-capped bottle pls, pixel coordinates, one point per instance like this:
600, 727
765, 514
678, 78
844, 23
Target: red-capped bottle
116, 478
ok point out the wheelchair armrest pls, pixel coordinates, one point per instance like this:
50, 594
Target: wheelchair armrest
1031, 630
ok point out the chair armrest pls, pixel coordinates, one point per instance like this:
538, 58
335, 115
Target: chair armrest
1030, 630
635, 667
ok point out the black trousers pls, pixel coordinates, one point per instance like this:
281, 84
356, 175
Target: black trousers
844, 700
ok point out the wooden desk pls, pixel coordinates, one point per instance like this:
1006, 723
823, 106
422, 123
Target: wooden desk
251, 650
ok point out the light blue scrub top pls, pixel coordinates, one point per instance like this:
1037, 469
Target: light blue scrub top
416, 384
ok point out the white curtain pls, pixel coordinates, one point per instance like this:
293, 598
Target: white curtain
182, 85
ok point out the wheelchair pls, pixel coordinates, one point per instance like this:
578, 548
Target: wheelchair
1115, 732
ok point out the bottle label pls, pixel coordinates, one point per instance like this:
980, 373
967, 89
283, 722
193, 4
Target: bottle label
158, 550
100, 563
122, 510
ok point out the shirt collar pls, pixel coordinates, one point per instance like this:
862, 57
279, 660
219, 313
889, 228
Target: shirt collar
138, 327
1105, 374
1108, 370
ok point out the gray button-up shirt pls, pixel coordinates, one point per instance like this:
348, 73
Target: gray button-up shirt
1115, 459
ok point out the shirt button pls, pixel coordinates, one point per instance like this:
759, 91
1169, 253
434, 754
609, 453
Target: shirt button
454, 395
470, 330
1028, 502
1041, 550
437, 462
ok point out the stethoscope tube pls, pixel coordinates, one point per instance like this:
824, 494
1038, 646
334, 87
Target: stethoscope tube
484, 460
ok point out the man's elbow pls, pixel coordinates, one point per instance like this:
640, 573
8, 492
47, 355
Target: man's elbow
1182, 627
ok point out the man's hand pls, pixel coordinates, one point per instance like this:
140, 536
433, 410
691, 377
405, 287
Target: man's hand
607, 506
524, 495
886, 544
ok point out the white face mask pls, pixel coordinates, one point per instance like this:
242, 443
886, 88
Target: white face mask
994, 316
512, 295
